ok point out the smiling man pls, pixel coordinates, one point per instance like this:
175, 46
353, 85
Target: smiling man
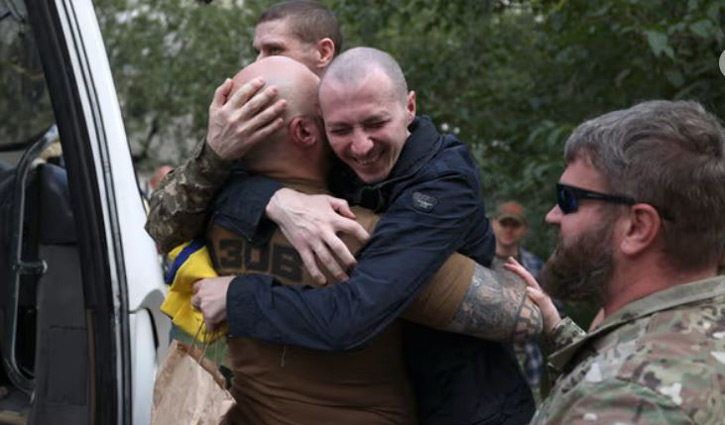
368, 134
640, 211
427, 188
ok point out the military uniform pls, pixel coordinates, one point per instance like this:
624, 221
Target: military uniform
659, 360
178, 208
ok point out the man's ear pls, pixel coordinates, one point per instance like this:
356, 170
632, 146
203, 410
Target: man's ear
326, 51
642, 227
410, 107
304, 132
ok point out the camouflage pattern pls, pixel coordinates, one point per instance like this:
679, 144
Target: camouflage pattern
178, 207
564, 333
659, 360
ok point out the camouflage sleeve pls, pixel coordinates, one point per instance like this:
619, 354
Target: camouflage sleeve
563, 334
178, 207
617, 401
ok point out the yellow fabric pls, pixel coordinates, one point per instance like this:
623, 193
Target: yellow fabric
177, 304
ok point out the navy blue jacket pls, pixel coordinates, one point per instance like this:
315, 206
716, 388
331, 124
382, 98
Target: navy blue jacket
432, 207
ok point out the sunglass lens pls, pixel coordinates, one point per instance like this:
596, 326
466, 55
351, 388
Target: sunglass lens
566, 200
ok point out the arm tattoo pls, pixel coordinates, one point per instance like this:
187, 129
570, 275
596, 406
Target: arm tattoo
497, 308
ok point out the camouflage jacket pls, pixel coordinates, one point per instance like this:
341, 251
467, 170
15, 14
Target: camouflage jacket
178, 207
659, 360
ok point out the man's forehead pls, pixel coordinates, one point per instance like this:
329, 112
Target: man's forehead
277, 30
581, 173
375, 86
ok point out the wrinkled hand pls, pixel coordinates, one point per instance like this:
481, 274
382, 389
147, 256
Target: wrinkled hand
210, 296
311, 224
548, 309
239, 121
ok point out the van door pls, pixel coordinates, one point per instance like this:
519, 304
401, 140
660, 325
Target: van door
80, 281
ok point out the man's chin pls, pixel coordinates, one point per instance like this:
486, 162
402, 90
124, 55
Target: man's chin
579, 273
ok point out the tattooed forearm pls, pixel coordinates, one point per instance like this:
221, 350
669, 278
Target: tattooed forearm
497, 308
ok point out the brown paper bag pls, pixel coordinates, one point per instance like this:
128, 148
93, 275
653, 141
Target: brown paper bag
188, 391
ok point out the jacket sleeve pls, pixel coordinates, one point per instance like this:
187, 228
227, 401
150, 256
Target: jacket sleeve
425, 224
178, 207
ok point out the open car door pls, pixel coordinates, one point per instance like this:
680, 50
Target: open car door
80, 281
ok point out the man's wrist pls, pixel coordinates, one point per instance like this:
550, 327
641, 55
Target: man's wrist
273, 209
210, 165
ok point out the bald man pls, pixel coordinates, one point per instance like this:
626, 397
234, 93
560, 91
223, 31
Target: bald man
428, 187
285, 384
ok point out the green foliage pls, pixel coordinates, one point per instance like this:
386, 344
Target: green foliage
167, 57
512, 78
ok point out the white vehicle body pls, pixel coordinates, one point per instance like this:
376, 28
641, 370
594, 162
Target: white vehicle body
119, 326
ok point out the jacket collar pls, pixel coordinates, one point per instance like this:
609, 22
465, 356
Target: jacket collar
659, 301
422, 144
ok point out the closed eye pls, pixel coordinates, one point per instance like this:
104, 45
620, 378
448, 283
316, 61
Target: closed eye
376, 124
340, 131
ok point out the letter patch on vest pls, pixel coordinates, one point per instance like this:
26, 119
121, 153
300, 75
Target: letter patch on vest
424, 202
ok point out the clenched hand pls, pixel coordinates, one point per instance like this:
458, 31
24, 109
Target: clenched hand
210, 297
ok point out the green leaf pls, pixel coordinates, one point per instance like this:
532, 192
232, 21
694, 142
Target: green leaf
702, 28
658, 43
675, 77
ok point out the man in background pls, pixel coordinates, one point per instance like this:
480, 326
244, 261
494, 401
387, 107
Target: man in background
510, 227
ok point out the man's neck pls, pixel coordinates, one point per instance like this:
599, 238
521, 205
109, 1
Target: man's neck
507, 251
632, 283
312, 169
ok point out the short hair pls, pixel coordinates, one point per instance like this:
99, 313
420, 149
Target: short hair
353, 66
670, 154
309, 20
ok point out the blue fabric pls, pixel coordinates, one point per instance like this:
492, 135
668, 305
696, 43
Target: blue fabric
410, 242
193, 246
531, 262
533, 357
240, 205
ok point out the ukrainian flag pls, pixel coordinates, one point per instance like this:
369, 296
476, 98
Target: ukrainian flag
190, 262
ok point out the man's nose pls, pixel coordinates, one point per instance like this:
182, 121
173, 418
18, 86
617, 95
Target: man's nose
361, 143
554, 215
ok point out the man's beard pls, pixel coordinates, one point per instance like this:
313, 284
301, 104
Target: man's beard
580, 271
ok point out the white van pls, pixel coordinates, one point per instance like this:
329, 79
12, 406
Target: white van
80, 280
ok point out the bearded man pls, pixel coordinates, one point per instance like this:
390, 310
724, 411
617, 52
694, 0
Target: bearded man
640, 211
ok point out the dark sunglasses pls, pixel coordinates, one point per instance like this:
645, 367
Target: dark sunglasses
567, 197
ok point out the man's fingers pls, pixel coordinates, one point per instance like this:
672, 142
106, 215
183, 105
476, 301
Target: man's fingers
514, 266
353, 228
250, 106
245, 93
260, 127
328, 260
329, 251
209, 324
341, 207
220, 94
308, 258
342, 253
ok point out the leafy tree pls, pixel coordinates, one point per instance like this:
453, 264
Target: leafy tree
512, 78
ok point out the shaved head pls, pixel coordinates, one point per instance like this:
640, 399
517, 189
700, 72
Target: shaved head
355, 65
299, 144
295, 82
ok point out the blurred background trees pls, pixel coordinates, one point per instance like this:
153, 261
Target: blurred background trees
511, 78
